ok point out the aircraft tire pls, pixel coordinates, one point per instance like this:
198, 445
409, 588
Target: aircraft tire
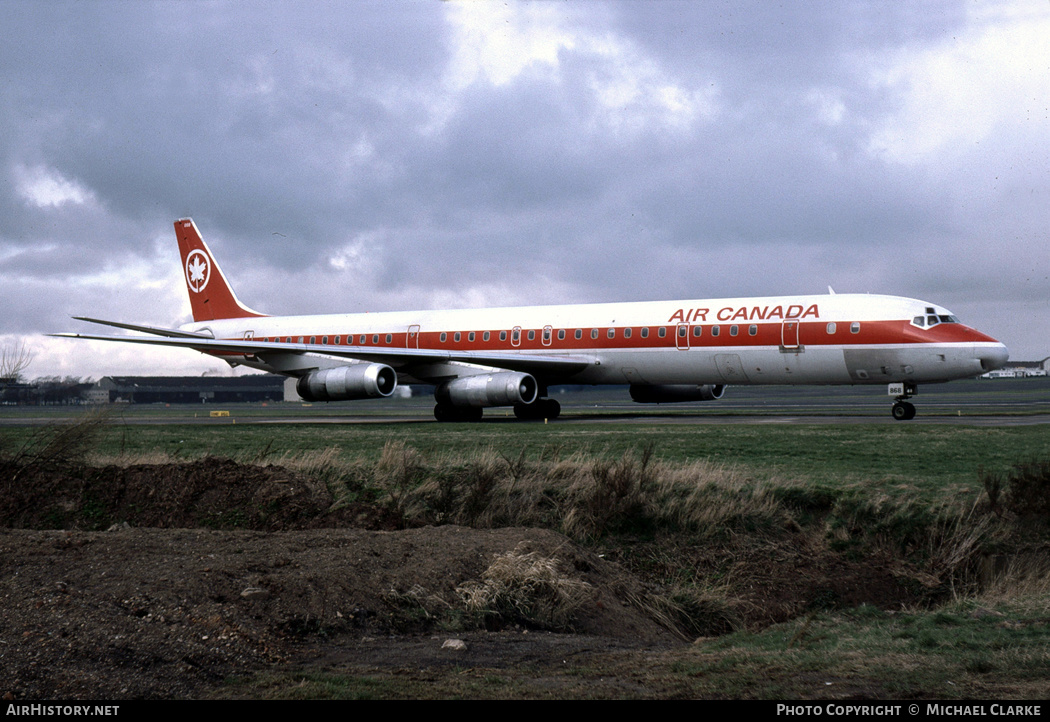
903, 411
448, 412
551, 409
539, 409
525, 412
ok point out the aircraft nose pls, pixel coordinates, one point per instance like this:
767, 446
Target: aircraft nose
993, 357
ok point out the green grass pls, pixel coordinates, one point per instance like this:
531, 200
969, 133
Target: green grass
929, 461
961, 651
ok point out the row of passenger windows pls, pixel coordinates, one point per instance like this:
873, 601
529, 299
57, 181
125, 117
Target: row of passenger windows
362, 340
627, 332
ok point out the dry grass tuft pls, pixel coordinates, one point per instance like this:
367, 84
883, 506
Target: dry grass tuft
527, 588
1021, 580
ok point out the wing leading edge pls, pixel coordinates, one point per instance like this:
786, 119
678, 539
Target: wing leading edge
399, 358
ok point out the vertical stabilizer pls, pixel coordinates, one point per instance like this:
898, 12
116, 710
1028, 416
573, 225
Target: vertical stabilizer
211, 297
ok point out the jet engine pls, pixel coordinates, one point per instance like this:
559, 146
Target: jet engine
348, 383
503, 388
671, 393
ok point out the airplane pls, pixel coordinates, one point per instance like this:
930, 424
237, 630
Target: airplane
666, 351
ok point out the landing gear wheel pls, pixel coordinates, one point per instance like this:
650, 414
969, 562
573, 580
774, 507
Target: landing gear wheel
903, 411
448, 412
539, 409
525, 412
552, 409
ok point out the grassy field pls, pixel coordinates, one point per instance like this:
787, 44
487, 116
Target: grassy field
893, 457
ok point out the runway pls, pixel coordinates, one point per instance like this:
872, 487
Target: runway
1003, 403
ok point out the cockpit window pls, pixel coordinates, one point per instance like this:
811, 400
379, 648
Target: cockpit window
933, 319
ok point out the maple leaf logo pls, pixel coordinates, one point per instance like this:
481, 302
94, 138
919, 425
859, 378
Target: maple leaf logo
197, 271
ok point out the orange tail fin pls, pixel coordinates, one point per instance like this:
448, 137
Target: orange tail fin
211, 297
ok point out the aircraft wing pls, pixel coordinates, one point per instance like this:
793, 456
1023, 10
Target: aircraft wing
402, 359
174, 333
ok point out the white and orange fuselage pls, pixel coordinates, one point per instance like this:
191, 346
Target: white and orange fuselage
831, 339
666, 350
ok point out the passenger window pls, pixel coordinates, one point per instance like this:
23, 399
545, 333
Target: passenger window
515, 335
682, 331
831, 328
364, 339
698, 331
715, 330
734, 330
579, 333
645, 332
532, 335
561, 334
470, 337
337, 338
661, 332
854, 327
375, 338
324, 340
444, 337
485, 336
389, 338
627, 332
546, 335
612, 333
502, 335
752, 330
457, 337
594, 333
313, 340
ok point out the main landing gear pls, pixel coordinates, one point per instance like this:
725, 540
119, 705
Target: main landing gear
538, 409
902, 410
450, 412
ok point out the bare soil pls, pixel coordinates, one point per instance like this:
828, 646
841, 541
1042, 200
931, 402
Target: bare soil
213, 571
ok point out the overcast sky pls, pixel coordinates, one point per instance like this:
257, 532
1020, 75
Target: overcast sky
354, 156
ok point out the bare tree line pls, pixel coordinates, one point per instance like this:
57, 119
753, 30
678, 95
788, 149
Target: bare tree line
14, 359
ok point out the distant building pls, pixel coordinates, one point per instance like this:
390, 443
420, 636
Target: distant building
187, 389
12, 391
1019, 370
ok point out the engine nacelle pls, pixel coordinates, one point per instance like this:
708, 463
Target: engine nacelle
671, 393
504, 388
347, 383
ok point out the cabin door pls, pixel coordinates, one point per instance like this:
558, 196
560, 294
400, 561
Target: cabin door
789, 335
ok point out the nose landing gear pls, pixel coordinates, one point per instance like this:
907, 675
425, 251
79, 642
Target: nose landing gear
902, 410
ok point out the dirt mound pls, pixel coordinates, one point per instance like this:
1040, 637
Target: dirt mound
213, 568
161, 613
211, 493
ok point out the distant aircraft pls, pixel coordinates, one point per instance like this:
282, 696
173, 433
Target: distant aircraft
667, 351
